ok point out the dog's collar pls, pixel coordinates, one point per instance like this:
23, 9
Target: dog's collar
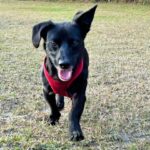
61, 87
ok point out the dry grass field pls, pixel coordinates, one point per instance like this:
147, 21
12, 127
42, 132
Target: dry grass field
117, 111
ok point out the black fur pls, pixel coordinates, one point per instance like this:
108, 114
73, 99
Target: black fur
64, 46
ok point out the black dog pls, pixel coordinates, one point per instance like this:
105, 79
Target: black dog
65, 70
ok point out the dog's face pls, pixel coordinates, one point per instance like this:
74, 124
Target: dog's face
64, 46
64, 42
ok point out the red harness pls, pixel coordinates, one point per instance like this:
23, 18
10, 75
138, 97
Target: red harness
60, 87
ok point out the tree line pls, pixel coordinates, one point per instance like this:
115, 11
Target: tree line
108, 1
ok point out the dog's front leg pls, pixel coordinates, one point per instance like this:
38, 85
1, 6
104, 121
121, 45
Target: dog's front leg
55, 114
78, 102
59, 102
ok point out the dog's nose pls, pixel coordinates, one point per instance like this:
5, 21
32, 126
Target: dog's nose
64, 64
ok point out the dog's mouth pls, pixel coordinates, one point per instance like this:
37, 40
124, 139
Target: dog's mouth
65, 74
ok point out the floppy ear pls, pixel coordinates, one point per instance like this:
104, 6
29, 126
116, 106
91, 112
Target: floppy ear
84, 19
39, 31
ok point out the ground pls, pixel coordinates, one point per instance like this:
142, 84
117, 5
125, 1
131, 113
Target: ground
117, 111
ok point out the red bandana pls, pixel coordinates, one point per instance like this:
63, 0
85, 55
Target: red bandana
60, 87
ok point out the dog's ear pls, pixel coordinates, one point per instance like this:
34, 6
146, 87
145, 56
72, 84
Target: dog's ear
39, 31
84, 19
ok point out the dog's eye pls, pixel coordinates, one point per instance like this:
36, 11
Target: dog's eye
75, 43
52, 45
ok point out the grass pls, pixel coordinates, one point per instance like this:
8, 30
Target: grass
118, 92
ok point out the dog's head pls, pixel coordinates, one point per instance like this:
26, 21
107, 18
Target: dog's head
64, 42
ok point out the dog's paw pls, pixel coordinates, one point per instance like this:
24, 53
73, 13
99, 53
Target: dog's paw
76, 136
53, 119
